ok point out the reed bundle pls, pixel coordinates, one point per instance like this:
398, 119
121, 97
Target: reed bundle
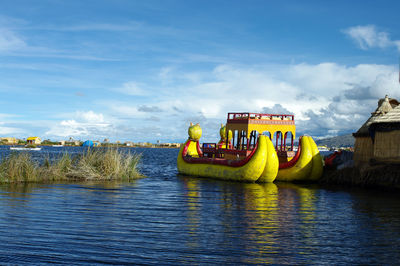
93, 164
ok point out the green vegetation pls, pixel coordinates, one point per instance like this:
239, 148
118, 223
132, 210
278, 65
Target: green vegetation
93, 164
49, 142
30, 146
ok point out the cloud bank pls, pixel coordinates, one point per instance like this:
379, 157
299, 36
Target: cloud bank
327, 99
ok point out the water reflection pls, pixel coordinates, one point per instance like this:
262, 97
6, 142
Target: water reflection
15, 194
18, 190
167, 219
261, 203
192, 195
262, 214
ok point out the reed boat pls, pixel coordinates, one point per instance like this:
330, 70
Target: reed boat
254, 147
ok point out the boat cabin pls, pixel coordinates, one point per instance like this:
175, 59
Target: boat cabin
246, 127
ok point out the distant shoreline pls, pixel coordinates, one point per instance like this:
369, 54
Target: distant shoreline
103, 146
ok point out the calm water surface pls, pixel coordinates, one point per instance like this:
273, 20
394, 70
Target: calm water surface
171, 219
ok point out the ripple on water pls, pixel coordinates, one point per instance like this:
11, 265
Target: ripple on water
173, 219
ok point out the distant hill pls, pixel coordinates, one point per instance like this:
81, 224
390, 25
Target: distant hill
339, 141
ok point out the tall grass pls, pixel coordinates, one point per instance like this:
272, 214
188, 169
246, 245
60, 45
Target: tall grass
18, 168
93, 164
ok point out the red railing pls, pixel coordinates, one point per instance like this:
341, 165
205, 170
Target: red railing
255, 116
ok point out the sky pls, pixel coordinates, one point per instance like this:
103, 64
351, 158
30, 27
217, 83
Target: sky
141, 71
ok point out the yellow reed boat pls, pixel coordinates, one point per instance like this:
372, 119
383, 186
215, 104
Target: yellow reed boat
246, 151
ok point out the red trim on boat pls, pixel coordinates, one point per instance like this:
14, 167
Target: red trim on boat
294, 159
217, 161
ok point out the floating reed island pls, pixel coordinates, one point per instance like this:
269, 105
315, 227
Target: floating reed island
376, 150
91, 165
385, 176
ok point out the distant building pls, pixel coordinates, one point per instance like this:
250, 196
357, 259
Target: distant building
33, 140
96, 143
169, 145
9, 140
378, 138
129, 143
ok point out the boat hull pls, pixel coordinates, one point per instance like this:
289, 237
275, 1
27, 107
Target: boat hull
307, 165
247, 170
262, 166
272, 166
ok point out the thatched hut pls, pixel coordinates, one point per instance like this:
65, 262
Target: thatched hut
378, 139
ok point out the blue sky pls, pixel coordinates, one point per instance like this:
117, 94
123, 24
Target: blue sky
143, 70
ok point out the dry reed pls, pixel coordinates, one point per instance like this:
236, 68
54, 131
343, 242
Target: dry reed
93, 164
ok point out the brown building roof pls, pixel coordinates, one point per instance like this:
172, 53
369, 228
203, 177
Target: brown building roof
388, 111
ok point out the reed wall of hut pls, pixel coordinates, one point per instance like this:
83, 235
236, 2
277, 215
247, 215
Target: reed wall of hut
363, 150
387, 146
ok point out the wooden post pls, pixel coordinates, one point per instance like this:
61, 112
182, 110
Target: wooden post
284, 142
292, 140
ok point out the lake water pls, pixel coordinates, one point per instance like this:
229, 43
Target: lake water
171, 219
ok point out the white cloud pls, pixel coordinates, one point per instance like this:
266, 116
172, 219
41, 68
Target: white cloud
9, 131
90, 117
131, 88
369, 37
83, 125
6, 130
10, 41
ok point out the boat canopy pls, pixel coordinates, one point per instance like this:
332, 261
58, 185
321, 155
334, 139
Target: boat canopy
245, 125
261, 123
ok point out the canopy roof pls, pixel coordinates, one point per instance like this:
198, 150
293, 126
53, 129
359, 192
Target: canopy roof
32, 138
261, 123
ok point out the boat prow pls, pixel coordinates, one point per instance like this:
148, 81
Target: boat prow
307, 164
248, 169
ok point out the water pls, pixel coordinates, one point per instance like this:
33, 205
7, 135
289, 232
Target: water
171, 219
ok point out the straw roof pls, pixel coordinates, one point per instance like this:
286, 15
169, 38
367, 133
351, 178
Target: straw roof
363, 130
389, 114
388, 111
